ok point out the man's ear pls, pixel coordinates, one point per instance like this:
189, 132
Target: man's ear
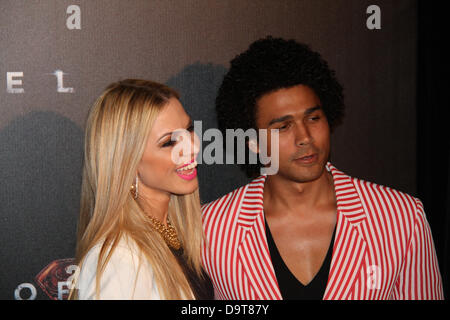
253, 145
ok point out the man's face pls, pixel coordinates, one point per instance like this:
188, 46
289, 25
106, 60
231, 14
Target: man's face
304, 133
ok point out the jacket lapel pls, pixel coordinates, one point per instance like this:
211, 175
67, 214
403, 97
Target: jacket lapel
253, 250
349, 247
348, 251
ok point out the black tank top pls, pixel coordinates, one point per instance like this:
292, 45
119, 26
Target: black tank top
201, 285
290, 287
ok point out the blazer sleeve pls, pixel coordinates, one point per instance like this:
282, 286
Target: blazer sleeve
420, 278
123, 278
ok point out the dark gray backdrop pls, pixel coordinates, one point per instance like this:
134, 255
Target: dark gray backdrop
188, 45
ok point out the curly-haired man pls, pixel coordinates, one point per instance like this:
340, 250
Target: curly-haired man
309, 231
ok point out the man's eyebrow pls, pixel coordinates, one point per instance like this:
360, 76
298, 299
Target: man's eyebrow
290, 117
169, 133
280, 119
311, 110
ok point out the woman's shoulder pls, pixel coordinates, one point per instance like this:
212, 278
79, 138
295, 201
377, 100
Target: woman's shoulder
126, 274
125, 251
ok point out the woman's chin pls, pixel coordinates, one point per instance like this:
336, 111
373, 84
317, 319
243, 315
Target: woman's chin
186, 188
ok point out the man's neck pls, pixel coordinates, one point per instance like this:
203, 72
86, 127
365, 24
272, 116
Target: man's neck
283, 196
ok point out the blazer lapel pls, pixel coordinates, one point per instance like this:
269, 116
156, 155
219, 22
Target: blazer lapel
348, 251
253, 250
349, 247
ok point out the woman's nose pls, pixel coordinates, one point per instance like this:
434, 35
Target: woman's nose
195, 141
188, 146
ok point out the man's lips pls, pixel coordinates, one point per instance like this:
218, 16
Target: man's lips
307, 158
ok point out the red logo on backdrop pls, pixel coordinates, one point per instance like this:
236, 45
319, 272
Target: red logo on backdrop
53, 279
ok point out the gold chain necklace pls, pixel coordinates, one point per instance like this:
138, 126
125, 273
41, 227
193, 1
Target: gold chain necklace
168, 233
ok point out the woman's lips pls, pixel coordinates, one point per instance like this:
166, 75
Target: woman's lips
307, 159
189, 173
186, 164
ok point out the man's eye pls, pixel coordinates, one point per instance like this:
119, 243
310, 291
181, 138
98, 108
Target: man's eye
284, 126
315, 118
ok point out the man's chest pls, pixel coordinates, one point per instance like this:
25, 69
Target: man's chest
303, 245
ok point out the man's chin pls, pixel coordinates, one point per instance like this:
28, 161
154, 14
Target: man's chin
304, 175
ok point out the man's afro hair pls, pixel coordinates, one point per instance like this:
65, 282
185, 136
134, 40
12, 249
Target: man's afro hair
270, 64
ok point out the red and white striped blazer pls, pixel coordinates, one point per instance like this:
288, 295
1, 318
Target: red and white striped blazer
383, 245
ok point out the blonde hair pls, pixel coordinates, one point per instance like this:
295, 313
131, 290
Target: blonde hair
117, 129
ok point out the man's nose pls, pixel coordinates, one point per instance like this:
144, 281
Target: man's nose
302, 135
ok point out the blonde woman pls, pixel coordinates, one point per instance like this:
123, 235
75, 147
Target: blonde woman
140, 229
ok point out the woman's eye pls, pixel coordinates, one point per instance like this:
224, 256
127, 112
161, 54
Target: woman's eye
169, 143
173, 140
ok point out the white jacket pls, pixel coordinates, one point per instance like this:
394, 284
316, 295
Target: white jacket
122, 278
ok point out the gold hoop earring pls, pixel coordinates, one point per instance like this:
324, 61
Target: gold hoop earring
134, 188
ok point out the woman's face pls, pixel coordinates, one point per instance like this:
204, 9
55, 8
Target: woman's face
168, 164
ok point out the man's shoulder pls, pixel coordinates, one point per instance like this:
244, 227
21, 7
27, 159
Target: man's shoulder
386, 197
231, 200
375, 196
223, 201
386, 190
